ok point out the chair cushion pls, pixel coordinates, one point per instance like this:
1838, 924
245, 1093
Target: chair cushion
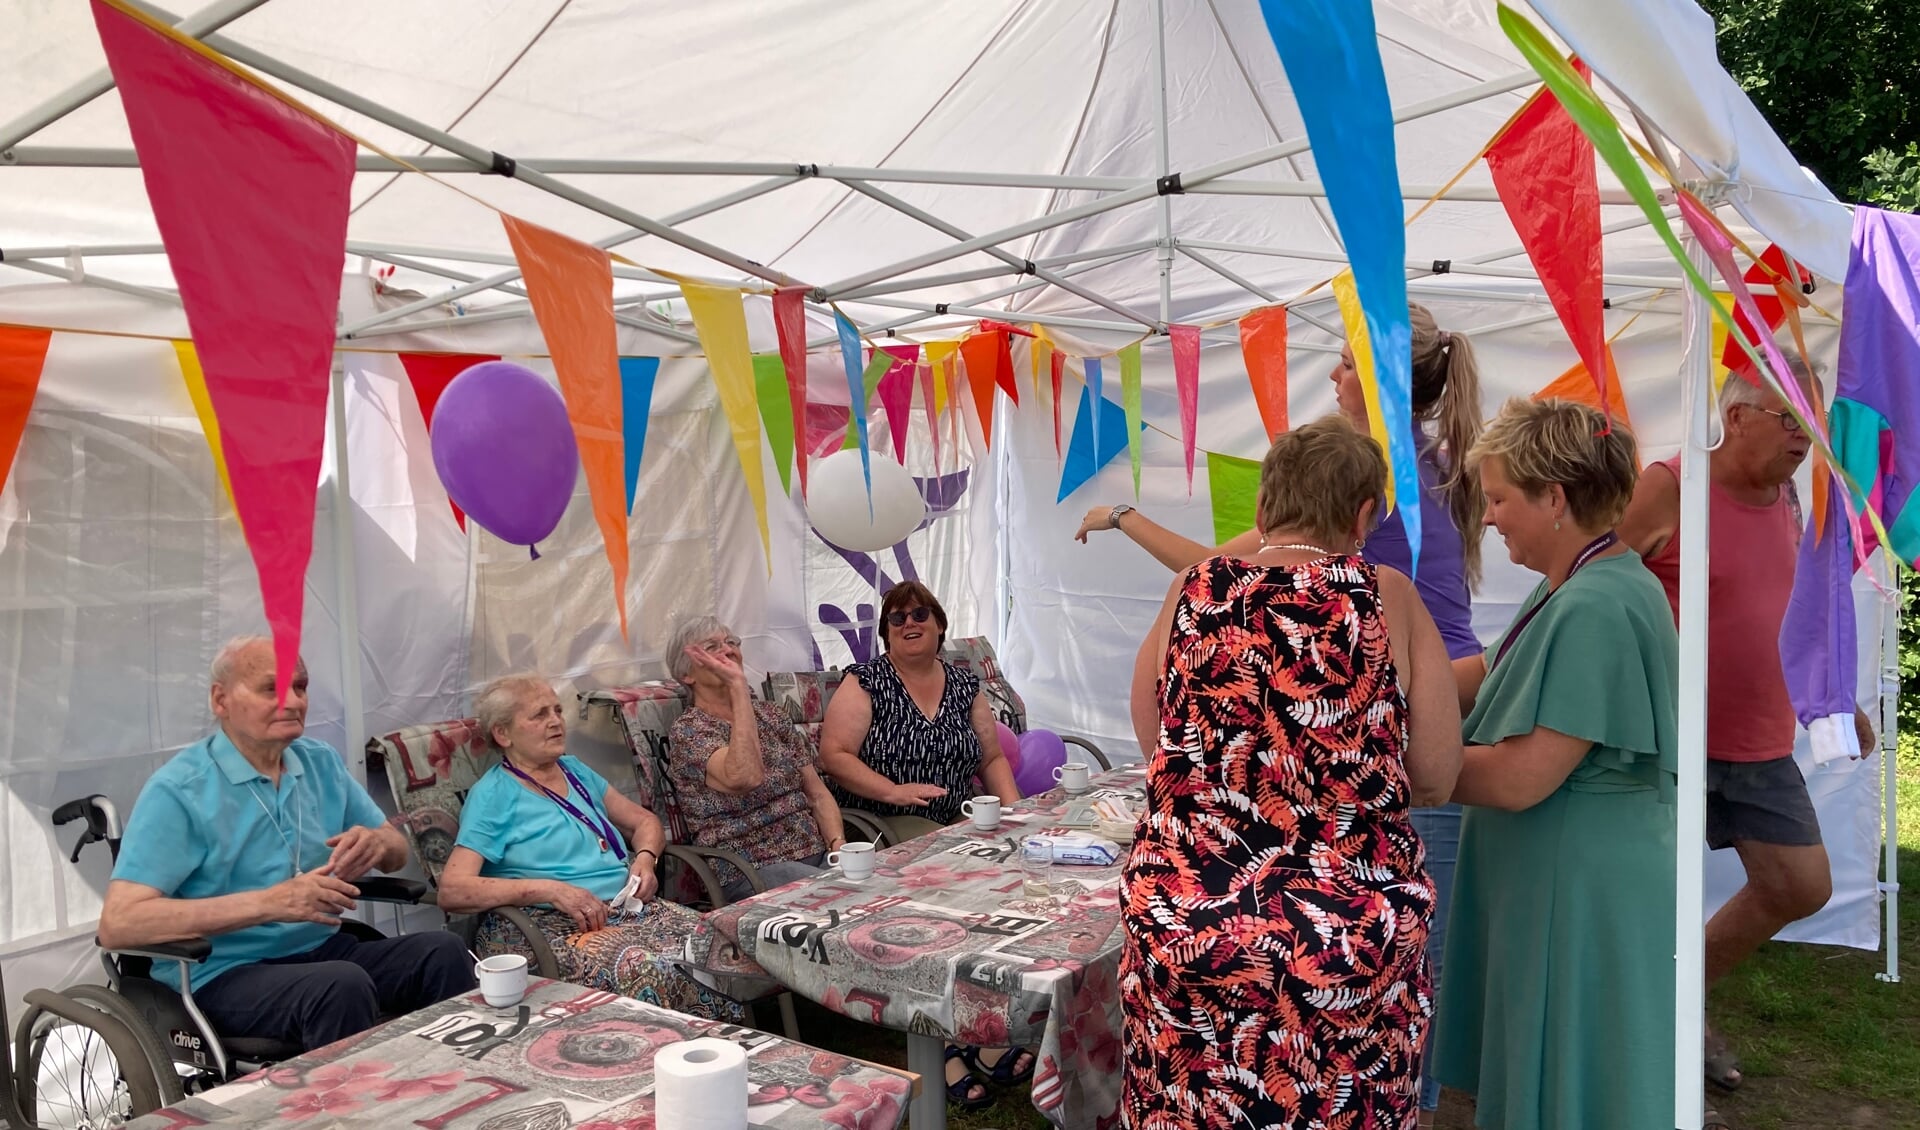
645, 713
430, 769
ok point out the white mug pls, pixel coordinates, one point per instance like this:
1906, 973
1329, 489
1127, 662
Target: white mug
985, 811
503, 979
855, 860
1072, 776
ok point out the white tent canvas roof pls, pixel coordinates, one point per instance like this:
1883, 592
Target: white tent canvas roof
848, 144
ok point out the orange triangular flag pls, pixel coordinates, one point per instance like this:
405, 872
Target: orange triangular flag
22, 354
1575, 384
570, 286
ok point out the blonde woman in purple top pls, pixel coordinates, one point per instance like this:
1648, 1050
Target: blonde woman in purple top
1447, 422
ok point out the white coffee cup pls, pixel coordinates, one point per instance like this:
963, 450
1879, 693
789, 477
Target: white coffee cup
503, 979
985, 811
1072, 776
855, 860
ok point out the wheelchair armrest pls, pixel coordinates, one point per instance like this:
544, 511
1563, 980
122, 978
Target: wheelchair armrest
193, 950
388, 888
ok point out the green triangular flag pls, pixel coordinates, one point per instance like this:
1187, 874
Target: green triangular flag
1234, 484
1130, 400
776, 412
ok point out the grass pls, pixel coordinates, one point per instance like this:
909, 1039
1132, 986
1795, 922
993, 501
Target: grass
1825, 1046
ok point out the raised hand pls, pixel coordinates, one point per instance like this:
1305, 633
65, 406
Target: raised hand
718, 664
1098, 518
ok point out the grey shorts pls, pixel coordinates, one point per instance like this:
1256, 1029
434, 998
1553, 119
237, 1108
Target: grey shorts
1760, 801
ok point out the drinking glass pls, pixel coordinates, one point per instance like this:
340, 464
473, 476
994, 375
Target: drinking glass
1036, 864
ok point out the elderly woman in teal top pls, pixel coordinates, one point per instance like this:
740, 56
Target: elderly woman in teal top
543, 831
1556, 1008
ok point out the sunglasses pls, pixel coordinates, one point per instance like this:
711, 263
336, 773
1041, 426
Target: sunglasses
918, 615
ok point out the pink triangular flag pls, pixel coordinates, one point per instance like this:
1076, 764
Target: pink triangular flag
1186, 381
250, 193
1059, 363
896, 394
925, 371
790, 322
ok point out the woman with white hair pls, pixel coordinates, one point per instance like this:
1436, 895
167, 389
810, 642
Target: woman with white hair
541, 830
745, 777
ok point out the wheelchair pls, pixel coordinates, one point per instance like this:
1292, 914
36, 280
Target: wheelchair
160, 1044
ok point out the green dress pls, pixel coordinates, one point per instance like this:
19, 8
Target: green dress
1556, 1007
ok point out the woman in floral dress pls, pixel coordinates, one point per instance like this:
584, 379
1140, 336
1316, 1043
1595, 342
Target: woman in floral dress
1293, 703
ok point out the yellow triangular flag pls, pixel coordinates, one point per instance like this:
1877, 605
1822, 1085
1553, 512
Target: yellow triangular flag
940, 355
1355, 319
720, 318
203, 408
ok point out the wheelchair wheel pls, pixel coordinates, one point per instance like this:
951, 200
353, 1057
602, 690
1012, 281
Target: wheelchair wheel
93, 1063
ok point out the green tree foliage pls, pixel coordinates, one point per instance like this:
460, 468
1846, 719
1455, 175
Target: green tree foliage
1837, 80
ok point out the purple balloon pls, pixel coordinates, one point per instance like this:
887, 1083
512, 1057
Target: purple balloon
1041, 752
504, 450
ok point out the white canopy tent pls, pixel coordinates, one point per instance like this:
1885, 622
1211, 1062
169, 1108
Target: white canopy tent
921, 167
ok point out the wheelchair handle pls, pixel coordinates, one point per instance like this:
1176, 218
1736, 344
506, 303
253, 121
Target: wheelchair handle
103, 823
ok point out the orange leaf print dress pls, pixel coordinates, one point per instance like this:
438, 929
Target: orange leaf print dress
1276, 900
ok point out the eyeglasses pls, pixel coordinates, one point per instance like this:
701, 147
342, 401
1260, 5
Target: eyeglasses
1787, 420
718, 644
919, 616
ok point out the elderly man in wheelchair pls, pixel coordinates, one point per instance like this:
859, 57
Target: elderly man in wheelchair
257, 840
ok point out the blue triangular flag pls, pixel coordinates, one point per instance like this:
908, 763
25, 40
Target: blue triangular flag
1081, 464
636, 403
856, 393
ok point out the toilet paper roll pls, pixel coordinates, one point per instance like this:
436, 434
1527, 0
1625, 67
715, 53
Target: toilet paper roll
700, 1085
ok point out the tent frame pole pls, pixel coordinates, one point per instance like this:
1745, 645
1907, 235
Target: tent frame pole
1889, 711
198, 25
1689, 997
346, 583
1161, 131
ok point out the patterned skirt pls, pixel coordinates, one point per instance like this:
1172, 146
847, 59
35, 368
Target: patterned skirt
635, 955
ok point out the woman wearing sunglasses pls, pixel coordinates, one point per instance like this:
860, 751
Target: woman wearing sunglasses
907, 733
904, 737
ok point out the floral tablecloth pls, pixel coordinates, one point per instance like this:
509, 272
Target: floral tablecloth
941, 942
565, 1057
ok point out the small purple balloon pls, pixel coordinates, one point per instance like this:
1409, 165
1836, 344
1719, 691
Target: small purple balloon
504, 450
1041, 752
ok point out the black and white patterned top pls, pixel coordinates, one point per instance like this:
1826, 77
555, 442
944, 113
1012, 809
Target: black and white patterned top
906, 747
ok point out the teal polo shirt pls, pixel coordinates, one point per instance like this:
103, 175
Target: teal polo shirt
520, 834
209, 823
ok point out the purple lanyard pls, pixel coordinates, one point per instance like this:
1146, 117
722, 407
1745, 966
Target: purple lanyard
602, 831
1594, 549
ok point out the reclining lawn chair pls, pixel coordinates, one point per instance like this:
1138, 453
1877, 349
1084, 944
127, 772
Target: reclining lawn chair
430, 769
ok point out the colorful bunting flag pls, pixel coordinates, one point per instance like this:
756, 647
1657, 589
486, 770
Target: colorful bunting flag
790, 323
1361, 342
926, 372
1332, 58
1186, 381
856, 397
250, 192
637, 375
1040, 360
940, 355
1083, 460
1130, 399
1234, 485
981, 354
1578, 385
1058, 363
720, 318
1263, 345
1779, 297
196, 382
776, 412
23, 353
1096, 380
1543, 169
430, 374
896, 393
570, 287
877, 366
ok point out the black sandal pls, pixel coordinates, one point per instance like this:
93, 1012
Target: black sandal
1003, 1073
959, 1092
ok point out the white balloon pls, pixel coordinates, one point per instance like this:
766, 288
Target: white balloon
837, 502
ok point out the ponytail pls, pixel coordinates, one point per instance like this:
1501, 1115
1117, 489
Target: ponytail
1446, 390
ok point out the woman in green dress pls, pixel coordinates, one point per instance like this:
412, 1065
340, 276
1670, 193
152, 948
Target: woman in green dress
1557, 1004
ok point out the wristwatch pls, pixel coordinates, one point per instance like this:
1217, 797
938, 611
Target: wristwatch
1113, 519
